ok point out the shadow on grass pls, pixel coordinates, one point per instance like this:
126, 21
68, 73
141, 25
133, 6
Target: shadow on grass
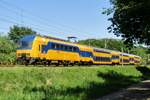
113, 81
145, 71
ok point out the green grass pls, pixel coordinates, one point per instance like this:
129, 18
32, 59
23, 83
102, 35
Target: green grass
62, 83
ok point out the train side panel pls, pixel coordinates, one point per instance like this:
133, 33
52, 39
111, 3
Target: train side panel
124, 59
115, 57
86, 55
137, 60
101, 57
59, 51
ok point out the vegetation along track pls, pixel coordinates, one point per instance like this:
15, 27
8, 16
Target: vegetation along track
64, 83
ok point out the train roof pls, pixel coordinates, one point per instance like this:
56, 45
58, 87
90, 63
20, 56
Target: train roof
54, 38
84, 46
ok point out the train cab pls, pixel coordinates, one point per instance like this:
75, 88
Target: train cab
25, 49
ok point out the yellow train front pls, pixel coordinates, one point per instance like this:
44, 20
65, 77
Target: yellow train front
25, 52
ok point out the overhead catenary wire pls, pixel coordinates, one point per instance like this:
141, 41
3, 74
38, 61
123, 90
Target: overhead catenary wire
16, 23
40, 19
26, 19
35, 16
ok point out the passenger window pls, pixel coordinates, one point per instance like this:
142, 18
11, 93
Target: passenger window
70, 48
66, 48
74, 49
61, 47
53, 46
57, 47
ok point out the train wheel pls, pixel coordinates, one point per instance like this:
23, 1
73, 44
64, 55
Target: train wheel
72, 64
57, 64
49, 63
66, 63
26, 62
90, 63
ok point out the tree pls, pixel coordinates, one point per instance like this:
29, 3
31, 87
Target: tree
112, 44
130, 20
17, 32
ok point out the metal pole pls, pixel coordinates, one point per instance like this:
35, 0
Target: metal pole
89, 42
105, 43
122, 56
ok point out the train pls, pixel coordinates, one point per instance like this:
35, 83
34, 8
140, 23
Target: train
38, 49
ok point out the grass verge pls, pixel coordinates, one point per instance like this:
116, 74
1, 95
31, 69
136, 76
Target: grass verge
64, 83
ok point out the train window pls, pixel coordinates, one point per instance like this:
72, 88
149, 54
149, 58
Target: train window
43, 49
57, 46
61, 47
104, 59
74, 49
65, 48
70, 48
107, 59
115, 57
85, 54
53, 46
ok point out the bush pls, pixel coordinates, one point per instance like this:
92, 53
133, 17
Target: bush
7, 51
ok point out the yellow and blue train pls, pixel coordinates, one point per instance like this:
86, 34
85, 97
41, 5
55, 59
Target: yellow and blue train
36, 49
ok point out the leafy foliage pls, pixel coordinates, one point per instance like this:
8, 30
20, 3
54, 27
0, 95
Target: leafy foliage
7, 50
112, 44
6, 45
131, 20
17, 32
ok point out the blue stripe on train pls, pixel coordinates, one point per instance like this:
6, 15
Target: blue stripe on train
59, 46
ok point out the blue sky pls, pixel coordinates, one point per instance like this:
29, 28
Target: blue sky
59, 18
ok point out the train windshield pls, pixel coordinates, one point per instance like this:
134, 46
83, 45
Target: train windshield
26, 42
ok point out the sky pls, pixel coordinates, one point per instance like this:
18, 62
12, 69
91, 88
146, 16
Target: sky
58, 18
